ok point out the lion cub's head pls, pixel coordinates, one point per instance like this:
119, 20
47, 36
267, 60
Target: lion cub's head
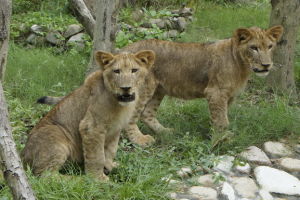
122, 73
255, 47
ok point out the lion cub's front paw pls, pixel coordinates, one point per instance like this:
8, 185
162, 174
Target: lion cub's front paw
143, 140
109, 165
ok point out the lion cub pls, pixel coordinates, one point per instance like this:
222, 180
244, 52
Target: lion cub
85, 126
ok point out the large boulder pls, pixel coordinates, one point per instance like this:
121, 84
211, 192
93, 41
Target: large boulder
72, 29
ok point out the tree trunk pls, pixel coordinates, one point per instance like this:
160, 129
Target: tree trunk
84, 15
9, 159
286, 13
105, 29
11, 164
5, 12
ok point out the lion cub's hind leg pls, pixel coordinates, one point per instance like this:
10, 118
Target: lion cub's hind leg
46, 149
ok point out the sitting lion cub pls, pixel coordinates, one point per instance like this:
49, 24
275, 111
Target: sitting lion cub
85, 126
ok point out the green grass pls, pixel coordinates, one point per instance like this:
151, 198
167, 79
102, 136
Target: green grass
215, 21
255, 117
32, 73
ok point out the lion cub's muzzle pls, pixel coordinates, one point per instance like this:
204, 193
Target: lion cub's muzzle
264, 70
126, 96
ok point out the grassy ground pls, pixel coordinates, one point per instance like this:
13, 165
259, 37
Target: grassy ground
256, 116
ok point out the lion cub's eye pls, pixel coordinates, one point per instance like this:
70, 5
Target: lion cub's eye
254, 48
270, 46
117, 71
134, 70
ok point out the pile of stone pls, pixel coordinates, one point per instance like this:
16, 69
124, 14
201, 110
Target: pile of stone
172, 25
269, 174
178, 22
73, 36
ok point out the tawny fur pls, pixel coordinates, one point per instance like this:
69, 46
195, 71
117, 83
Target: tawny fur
216, 71
85, 126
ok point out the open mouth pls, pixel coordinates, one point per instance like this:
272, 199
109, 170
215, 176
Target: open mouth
126, 97
260, 71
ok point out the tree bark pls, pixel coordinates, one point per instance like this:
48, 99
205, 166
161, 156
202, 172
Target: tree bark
84, 15
286, 13
9, 159
105, 29
11, 164
5, 12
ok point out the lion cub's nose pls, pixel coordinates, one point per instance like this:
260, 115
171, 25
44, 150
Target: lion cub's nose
125, 89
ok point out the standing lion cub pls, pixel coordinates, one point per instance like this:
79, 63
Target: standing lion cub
85, 126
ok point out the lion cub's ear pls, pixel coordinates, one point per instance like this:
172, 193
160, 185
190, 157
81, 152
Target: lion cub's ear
103, 58
147, 57
242, 35
275, 32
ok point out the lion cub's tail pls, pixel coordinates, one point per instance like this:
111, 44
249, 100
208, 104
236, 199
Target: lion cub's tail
49, 100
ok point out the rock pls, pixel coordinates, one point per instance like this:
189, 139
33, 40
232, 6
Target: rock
35, 40
168, 24
184, 12
55, 38
160, 23
206, 180
146, 25
224, 164
142, 29
227, 192
198, 169
36, 29
256, 156
187, 197
277, 149
243, 168
172, 195
129, 27
265, 195
205, 193
73, 29
176, 12
297, 148
245, 187
171, 34
77, 41
289, 164
184, 172
137, 15
274, 180
181, 24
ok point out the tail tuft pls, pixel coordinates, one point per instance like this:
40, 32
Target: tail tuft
42, 100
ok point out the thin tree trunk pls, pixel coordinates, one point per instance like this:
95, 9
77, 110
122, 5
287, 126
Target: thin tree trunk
9, 159
5, 12
84, 15
11, 164
286, 13
105, 29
